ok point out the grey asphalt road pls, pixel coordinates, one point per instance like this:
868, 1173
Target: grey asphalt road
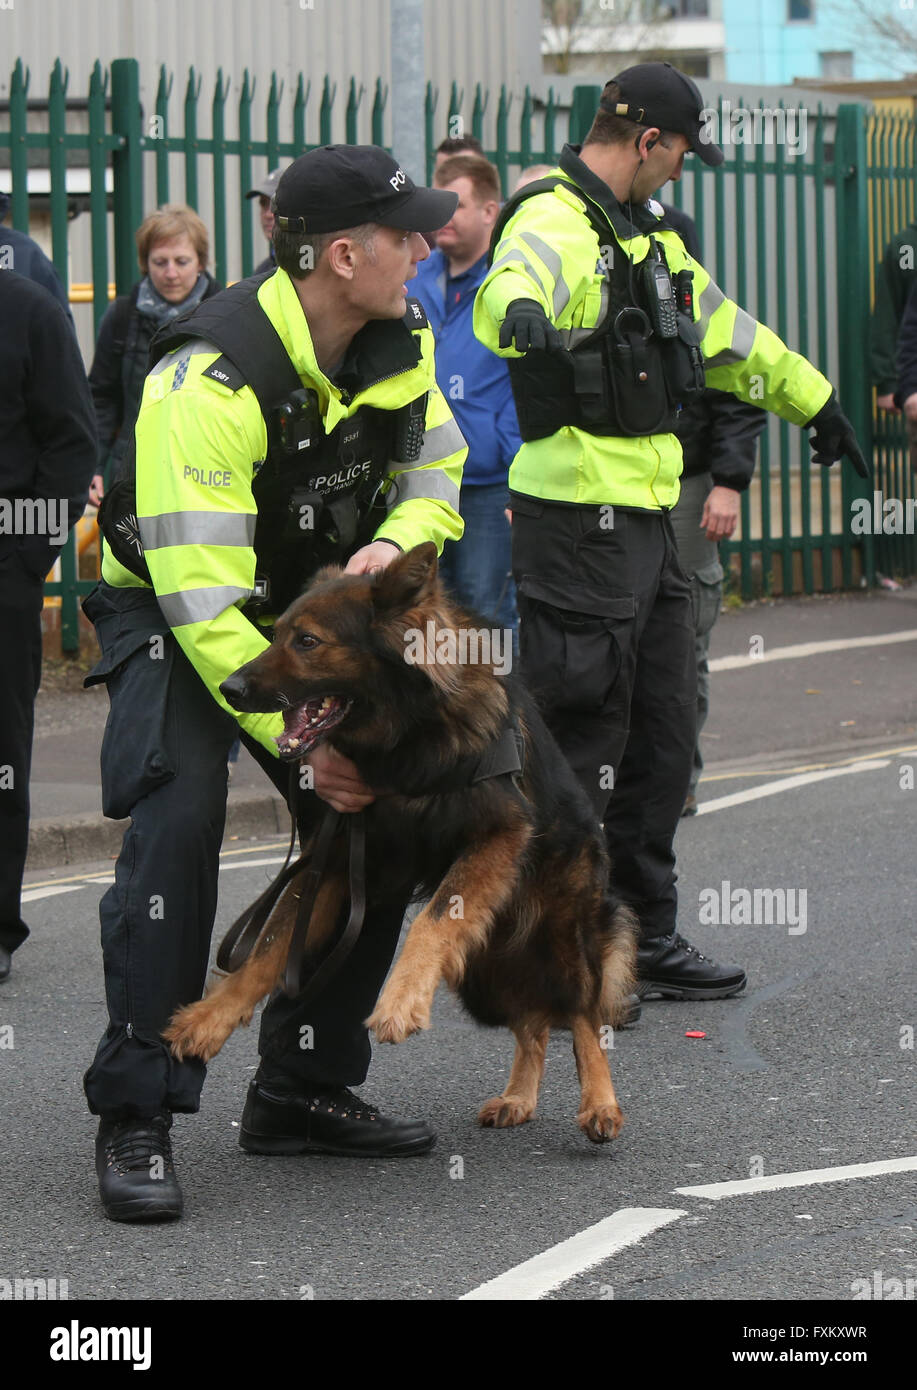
813, 1068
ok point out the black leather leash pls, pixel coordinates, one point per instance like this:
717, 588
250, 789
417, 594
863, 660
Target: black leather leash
240, 940
505, 757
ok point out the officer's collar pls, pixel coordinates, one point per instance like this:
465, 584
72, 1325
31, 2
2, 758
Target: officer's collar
382, 348
628, 220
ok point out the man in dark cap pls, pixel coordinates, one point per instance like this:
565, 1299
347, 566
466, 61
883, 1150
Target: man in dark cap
609, 327
264, 192
258, 397
22, 253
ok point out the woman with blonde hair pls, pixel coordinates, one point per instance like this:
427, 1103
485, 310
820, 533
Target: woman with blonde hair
172, 251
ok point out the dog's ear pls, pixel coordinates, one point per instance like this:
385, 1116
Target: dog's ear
408, 581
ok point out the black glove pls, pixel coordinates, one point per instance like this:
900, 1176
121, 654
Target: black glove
834, 437
526, 326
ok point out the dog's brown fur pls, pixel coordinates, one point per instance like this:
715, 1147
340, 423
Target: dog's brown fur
520, 921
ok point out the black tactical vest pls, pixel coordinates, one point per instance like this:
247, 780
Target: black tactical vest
634, 371
318, 494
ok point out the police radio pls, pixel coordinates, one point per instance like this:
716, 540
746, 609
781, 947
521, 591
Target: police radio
659, 297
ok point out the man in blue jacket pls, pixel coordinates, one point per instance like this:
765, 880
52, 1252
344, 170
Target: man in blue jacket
475, 382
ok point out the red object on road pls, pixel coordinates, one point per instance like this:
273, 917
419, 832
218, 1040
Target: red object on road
695, 1033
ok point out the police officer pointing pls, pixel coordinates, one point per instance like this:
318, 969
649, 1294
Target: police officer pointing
609, 326
291, 421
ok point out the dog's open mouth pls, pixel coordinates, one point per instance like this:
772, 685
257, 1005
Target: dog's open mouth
307, 724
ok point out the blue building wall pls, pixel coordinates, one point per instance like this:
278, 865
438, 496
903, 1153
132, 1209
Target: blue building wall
764, 46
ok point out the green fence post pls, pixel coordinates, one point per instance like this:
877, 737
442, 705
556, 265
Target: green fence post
354, 98
127, 173
189, 136
454, 123
57, 165
431, 100
219, 175
163, 92
583, 106
550, 117
324, 115
246, 97
378, 117
502, 154
477, 113
19, 158
274, 97
854, 390
300, 102
98, 198
525, 132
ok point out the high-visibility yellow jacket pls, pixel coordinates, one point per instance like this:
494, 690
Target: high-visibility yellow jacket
550, 253
198, 445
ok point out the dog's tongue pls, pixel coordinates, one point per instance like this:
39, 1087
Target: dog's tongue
304, 725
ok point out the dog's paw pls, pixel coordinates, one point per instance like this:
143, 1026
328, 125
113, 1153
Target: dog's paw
198, 1030
601, 1123
396, 1017
502, 1112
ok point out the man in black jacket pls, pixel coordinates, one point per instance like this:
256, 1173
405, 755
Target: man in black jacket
719, 438
47, 456
906, 395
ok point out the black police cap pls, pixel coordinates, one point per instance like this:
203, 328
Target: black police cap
657, 94
337, 186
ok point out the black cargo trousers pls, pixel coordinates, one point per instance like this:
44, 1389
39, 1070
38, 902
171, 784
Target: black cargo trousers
163, 760
21, 598
606, 642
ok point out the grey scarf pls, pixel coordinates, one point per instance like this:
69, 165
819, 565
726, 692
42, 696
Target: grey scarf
151, 304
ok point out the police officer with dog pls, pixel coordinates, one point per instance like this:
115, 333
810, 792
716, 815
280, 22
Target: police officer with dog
290, 422
609, 327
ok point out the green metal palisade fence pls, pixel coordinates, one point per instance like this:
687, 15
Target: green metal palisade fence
794, 238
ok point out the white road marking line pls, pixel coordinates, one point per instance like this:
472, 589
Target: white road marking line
554, 1267
253, 863
737, 663
716, 1190
720, 803
31, 895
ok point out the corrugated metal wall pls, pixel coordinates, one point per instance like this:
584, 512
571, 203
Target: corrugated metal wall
486, 41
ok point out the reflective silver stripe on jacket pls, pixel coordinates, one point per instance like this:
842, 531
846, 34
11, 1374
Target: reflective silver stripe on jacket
440, 442
561, 293
743, 340
199, 605
432, 483
197, 528
554, 264
710, 300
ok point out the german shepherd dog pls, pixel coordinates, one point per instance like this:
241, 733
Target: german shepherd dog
520, 920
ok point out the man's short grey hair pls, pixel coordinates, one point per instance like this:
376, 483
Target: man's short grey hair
299, 253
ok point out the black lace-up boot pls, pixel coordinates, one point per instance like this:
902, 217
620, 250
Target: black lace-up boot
325, 1120
137, 1179
672, 967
